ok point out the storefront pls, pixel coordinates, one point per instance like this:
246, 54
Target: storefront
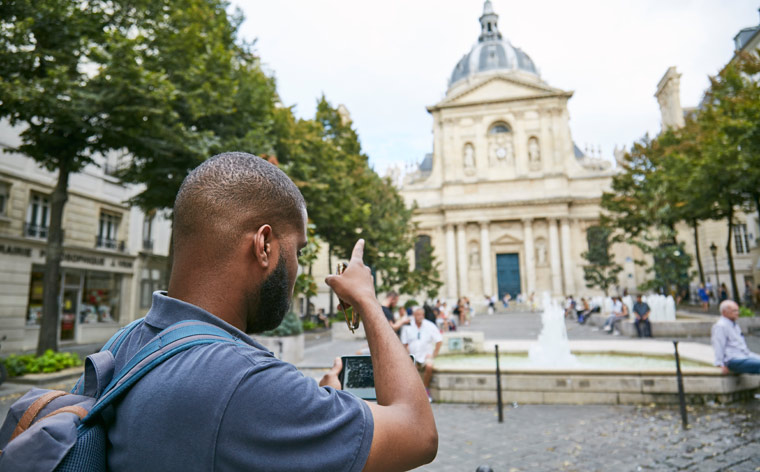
94, 293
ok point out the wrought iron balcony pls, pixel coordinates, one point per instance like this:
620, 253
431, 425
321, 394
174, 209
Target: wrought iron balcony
35, 231
147, 245
106, 243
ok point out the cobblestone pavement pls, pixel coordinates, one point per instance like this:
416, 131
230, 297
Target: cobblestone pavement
564, 437
597, 438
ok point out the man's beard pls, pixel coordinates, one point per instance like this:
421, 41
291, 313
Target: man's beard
273, 300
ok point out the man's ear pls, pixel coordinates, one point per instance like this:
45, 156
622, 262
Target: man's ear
262, 245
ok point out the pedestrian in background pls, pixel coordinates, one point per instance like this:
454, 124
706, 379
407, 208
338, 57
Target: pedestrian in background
641, 311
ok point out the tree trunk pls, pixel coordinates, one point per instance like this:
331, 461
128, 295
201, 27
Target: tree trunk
330, 271
732, 272
48, 338
695, 226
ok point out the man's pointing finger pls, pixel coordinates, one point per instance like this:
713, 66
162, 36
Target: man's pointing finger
358, 252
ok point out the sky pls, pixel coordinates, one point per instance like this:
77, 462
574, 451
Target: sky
387, 60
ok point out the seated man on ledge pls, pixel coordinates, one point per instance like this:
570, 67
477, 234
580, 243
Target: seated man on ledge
731, 352
239, 224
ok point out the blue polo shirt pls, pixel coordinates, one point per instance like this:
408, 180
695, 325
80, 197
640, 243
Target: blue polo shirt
230, 407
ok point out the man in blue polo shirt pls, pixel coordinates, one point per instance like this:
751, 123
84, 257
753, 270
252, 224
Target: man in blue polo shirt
239, 223
731, 351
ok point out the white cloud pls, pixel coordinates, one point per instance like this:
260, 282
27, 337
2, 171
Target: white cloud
387, 60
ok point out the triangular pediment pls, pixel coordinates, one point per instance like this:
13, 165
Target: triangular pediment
498, 89
507, 239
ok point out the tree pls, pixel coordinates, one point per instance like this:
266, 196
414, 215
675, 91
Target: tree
47, 52
647, 202
729, 124
217, 96
601, 271
163, 80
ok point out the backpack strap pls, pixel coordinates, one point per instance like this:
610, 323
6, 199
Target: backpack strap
173, 340
113, 345
34, 409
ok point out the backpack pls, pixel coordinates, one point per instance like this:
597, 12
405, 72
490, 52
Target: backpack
49, 430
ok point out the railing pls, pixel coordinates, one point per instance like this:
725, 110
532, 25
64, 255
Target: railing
34, 231
109, 243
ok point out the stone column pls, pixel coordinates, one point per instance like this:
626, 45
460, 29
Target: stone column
554, 258
530, 262
485, 258
462, 259
567, 261
451, 263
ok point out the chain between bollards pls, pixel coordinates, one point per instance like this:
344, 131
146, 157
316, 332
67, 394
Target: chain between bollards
498, 387
681, 397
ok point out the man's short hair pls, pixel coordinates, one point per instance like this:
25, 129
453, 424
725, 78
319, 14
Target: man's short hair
232, 193
391, 294
724, 305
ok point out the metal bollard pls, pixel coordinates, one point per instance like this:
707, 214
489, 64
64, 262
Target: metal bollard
681, 397
498, 387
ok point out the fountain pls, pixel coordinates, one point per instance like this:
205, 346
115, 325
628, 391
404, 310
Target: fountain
553, 369
552, 348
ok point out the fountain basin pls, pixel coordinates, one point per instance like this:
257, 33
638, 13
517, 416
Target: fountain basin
594, 384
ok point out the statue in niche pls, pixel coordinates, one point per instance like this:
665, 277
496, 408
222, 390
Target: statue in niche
469, 156
474, 256
534, 152
541, 252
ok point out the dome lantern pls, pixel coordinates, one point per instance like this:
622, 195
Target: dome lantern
491, 52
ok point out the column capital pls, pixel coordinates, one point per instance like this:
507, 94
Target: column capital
461, 225
527, 220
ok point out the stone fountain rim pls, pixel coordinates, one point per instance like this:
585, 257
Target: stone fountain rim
691, 351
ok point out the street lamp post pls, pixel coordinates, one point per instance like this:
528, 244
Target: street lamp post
714, 251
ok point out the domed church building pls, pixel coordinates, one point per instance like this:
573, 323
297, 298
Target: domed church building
506, 197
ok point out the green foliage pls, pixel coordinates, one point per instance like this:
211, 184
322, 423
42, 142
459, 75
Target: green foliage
309, 325
49, 362
410, 303
290, 326
709, 169
601, 271
671, 262
347, 200
745, 312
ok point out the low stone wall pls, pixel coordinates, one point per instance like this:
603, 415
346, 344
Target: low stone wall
596, 386
287, 348
546, 387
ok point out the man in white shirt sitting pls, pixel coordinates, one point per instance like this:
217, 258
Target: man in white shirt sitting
423, 341
731, 351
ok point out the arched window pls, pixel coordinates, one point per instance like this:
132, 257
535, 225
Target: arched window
499, 128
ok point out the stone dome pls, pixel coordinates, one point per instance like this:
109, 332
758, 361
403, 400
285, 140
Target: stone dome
491, 52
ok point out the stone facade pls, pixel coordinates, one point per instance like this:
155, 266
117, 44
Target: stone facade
506, 197
113, 253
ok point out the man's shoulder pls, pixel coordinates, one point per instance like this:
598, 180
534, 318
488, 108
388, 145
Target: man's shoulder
721, 325
429, 324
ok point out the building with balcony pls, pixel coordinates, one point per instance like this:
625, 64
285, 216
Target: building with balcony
114, 254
